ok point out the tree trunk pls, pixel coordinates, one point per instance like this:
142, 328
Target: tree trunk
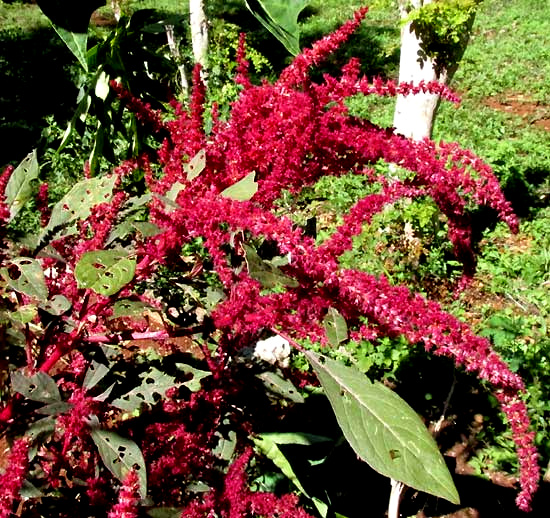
199, 33
414, 114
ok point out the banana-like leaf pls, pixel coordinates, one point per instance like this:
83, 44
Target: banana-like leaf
280, 18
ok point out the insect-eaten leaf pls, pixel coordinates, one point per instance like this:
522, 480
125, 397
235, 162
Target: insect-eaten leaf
196, 165
383, 429
120, 455
77, 204
243, 190
105, 271
194, 384
25, 275
155, 384
57, 305
38, 387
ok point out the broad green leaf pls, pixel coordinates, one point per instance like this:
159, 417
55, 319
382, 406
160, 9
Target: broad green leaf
19, 187
196, 165
280, 386
266, 273
77, 204
24, 314
26, 276
280, 18
38, 387
77, 43
335, 327
155, 384
194, 384
302, 439
95, 373
120, 455
243, 190
57, 305
383, 429
266, 446
105, 271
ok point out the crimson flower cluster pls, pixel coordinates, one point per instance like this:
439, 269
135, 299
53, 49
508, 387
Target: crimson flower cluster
289, 134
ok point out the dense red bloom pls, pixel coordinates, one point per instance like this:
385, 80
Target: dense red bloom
128, 498
12, 479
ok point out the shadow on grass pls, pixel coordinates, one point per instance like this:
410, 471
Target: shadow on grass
35, 67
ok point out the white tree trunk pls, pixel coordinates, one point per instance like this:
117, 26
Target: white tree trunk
199, 33
414, 114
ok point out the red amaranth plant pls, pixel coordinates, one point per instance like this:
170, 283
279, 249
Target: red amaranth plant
221, 188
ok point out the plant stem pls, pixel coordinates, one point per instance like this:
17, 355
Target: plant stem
396, 494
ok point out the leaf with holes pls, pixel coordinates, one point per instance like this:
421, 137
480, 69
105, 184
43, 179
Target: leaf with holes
57, 305
77, 204
196, 165
26, 276
383, 429
105, 271
194, 384
19, 187
243, 190
120, 455
155, 384
38, 387
335, 327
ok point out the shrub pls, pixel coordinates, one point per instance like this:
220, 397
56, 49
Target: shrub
87, 307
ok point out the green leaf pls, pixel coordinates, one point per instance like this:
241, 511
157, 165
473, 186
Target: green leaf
194, 384
266, 273
383, 429
77, 204
95, 373
335, 327
77, 43
155, 384
243, 190
196, 165
105, 271
38, 387
280, 18
302, 439
266, 446
120, 455
26, 276
19, 187
57, 305
24, 314
280, 386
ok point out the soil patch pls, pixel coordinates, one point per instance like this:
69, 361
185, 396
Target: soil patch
532, 112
